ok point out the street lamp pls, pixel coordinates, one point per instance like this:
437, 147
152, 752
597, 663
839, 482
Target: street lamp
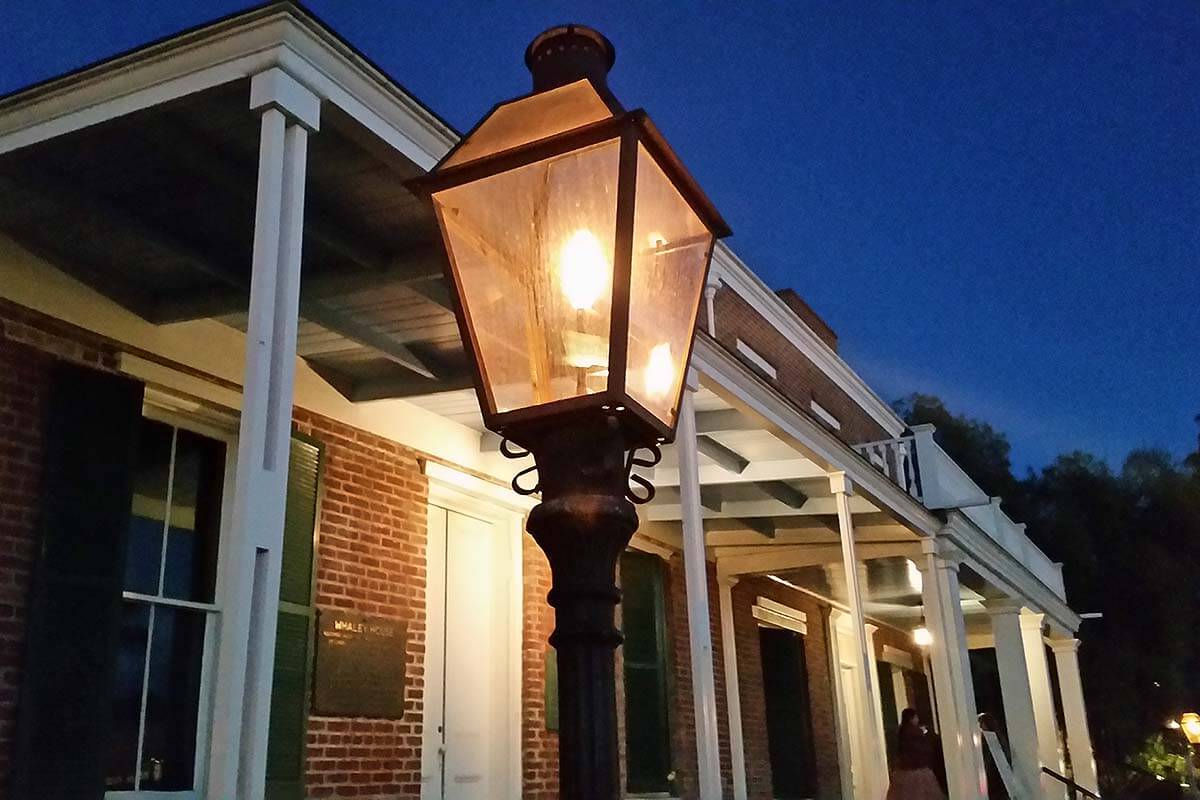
578, 247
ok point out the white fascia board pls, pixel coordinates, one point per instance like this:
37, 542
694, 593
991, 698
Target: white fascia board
734, 273
276, 36
742, 388
1000, 568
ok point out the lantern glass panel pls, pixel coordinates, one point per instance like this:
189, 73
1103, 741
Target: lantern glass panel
532, 118
532, 253
671, 247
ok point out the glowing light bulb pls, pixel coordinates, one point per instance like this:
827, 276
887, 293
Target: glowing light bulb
922, 637
584, 269
660, 371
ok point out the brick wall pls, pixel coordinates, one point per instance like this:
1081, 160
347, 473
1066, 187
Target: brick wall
29, 344
539, 746
370, 558
798, 378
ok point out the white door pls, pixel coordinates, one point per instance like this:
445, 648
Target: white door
850, 722
467, 753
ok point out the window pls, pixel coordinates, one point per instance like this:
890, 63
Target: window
826, 416
647, 724
756, 360
168, 612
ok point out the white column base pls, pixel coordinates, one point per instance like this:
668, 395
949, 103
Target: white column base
1043, 704
1079, 738
955, 693
1017, 696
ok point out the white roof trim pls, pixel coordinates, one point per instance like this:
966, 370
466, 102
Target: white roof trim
734, 273
275, 36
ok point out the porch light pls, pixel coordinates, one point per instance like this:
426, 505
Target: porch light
922, 637
578, 247
1190, 724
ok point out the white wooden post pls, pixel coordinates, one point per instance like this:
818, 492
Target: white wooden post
874, 772
248, 590
957, 725
733, 692
1079, 738
1017, 694
1043, 703
695, 568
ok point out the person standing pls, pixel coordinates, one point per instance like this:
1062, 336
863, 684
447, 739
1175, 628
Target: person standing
912, 775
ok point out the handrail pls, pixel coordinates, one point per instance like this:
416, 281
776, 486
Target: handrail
1071, 785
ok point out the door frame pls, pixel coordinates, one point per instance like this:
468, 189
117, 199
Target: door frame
457, 491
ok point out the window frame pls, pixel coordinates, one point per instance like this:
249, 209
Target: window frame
212, 612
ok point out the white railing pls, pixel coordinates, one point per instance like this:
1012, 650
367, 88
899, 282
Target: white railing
919, 466
895, 458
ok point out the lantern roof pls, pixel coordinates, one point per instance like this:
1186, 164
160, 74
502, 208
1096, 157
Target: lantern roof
531, 118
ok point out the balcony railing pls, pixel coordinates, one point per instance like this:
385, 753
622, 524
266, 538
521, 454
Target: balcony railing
919, 466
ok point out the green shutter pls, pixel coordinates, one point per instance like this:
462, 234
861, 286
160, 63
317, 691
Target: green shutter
887, 701
644, 655
551, 689
293, 637
90, 448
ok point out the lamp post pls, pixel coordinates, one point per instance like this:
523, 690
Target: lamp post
578, 248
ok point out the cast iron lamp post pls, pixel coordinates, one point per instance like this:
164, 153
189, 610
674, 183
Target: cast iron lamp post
578, 247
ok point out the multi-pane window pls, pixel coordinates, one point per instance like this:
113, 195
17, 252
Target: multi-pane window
647, 722
168, 613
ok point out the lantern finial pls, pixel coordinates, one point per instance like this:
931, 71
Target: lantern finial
566, 53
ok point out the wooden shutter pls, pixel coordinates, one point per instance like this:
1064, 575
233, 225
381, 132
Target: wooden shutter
293, 636
647, 724
90, 448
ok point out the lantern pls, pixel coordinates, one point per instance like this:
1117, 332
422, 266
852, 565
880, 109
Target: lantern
1190, 723
578, 247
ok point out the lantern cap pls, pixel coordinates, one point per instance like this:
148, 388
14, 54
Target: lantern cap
565, 53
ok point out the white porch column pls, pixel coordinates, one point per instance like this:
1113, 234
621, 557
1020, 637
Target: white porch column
695, 568
955, 698
1016, 693
733, 691
248, 587
874, 771
1079, 738
1043, 703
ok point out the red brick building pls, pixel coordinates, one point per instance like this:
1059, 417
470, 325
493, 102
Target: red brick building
255, 541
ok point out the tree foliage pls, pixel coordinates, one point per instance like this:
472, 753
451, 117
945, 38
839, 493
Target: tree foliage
1130, 544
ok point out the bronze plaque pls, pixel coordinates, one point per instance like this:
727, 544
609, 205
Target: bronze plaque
360, 666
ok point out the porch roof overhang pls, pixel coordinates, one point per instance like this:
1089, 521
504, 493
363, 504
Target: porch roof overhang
138, 178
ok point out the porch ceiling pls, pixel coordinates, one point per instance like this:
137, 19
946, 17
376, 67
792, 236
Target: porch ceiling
155, 210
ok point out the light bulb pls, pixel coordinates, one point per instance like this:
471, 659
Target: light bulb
660, 371
922, 637
584, 269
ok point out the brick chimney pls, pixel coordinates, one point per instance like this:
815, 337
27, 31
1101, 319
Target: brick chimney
802, 310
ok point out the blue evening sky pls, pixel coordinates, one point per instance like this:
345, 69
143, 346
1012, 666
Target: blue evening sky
998, 203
